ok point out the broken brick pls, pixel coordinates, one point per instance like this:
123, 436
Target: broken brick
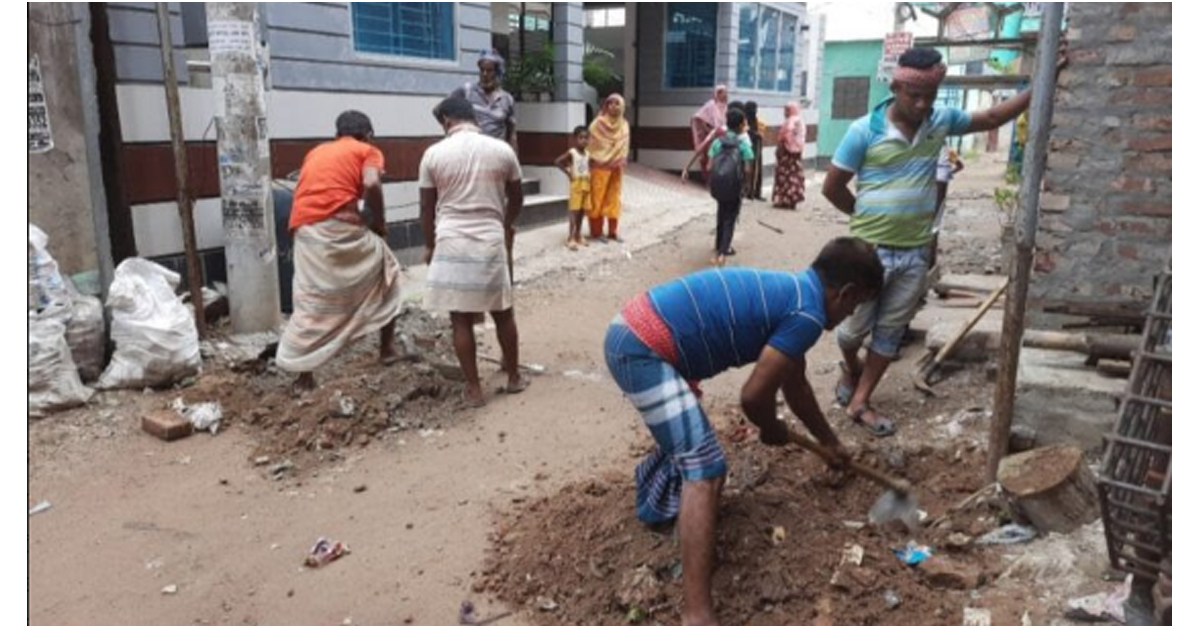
166, 425
942, 573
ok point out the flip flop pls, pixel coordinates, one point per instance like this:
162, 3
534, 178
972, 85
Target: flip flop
513, 389
842, 392
881, 429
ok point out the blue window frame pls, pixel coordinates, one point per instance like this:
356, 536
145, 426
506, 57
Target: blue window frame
424, 30
766, 48
690, 58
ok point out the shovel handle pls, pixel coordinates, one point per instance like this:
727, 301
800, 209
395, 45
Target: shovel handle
900, 486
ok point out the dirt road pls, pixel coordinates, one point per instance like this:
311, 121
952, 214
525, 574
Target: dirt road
132, 515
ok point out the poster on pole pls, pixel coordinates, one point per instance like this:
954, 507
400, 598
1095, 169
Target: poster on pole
894, 45
40, 139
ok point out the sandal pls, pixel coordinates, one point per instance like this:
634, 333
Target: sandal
841, 392
882, 428
513, 389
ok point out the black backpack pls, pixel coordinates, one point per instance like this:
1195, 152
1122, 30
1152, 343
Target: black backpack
727, 172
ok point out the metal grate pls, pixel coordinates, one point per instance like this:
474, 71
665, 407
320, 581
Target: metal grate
851, 97
407, 29
1135, 474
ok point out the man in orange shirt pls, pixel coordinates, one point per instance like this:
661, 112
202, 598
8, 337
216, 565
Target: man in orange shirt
347, 282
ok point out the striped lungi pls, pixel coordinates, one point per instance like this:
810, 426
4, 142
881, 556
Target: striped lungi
347, 284
468, 275
687, 448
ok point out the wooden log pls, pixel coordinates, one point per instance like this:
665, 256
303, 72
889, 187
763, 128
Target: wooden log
1052, 487
1095, 346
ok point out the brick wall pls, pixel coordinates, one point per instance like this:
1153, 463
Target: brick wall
1105, 226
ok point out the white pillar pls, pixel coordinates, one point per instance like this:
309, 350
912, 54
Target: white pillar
244, 163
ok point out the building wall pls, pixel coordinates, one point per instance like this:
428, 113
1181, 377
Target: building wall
314, 74
1105, 227
663, 135
60, 196
846, 59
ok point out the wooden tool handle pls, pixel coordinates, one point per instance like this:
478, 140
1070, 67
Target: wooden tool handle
887, 481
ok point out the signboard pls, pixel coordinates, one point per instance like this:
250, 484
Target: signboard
40, 140
894, 45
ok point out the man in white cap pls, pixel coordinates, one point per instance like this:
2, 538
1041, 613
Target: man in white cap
495, 109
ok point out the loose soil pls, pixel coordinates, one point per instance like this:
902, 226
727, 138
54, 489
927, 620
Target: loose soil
581, 556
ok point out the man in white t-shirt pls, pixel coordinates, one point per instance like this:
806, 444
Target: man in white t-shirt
470, 199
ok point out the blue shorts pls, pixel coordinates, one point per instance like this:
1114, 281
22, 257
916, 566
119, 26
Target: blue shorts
687, 449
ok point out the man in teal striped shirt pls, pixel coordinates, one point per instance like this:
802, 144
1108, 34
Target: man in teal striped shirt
893, 151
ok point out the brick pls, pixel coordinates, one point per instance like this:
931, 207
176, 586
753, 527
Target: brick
1158, 76
1141, 96
166, 425
1139, 53
1062, 160
1085, 56
1149, 162
1055, 202
1147, 208
1151, 143
1154, 122
942, 573
1122, 32
1044, 262
1129, 183
1127, 251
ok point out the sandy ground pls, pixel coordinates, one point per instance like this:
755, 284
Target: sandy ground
132, 515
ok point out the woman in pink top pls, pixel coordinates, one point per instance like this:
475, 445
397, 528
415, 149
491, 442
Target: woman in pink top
789, 160
707, 119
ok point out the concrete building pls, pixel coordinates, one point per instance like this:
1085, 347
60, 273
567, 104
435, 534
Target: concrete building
394, 61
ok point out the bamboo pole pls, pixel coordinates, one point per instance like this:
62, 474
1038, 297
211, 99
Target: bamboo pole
183, 195
1041, 110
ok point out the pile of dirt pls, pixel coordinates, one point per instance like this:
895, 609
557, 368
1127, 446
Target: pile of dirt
358, 399
790, 535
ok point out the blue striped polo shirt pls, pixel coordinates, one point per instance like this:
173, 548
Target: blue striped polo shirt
723, 318
897, 179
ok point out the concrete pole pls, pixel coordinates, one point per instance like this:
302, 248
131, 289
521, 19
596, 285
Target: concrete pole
1025, 224
244, 162
183, 196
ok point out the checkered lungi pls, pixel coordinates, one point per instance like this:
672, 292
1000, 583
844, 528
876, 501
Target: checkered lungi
687, 449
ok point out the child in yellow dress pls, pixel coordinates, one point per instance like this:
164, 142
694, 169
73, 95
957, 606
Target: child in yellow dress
574, 163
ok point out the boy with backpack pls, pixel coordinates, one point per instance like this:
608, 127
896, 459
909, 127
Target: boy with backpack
730, 157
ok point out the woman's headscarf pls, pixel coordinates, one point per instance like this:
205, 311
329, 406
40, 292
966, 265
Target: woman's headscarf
609, 145
791, 134
711, 114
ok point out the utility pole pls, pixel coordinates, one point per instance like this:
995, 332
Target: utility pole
183, 196
244, 163
1025, 225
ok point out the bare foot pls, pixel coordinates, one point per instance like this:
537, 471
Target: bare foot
473, 397
388, 356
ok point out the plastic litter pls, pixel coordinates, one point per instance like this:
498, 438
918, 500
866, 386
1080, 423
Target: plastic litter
202, 416
154, 331
891, 599
85, 335
1008, 535
1101, 606
913, 554
977, 617
46, 284
324, 552
53, 379
39, 508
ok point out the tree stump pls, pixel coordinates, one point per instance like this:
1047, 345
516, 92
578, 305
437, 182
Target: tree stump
1052, 487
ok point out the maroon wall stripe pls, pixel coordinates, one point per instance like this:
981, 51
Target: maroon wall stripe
149, 175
